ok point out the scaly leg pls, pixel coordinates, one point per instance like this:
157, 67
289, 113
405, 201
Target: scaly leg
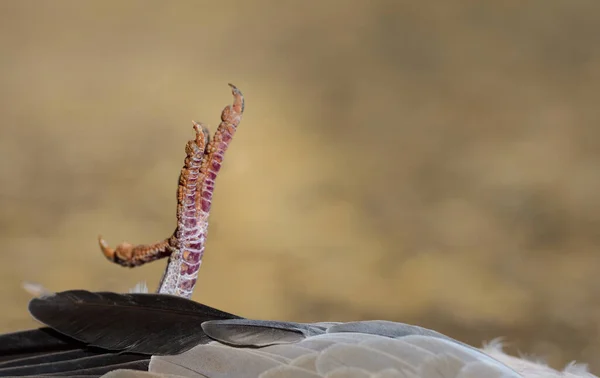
185, 247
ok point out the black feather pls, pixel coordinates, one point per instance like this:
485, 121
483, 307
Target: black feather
154, 324
46, 358
46, 352
23, 343
96, 364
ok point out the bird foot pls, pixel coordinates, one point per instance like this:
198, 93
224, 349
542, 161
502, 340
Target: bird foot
185, 248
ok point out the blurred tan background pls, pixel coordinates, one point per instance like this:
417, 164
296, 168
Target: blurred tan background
437, 163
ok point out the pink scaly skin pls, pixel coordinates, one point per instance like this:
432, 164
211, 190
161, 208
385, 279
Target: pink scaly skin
185, 247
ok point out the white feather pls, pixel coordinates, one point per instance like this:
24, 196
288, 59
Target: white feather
140, 287
36, 289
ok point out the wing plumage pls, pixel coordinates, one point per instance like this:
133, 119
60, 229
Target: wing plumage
152, 335
336, 351
140, 323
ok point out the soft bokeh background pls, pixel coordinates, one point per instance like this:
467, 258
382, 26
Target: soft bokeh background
436, 163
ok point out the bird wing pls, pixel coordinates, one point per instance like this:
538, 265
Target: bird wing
152, 335
340, 350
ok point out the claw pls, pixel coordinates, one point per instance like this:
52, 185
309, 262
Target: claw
238, 97
201, 132
108, 252
238, 105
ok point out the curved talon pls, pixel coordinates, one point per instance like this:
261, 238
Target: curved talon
238, 102
233, 113
108, 252
117, 255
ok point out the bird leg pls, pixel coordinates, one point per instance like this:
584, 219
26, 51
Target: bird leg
185, 247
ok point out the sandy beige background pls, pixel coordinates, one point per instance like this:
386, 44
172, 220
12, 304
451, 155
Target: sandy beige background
435, 163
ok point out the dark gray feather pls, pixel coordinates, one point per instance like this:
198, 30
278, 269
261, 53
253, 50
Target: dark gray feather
258, 333
142, 323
